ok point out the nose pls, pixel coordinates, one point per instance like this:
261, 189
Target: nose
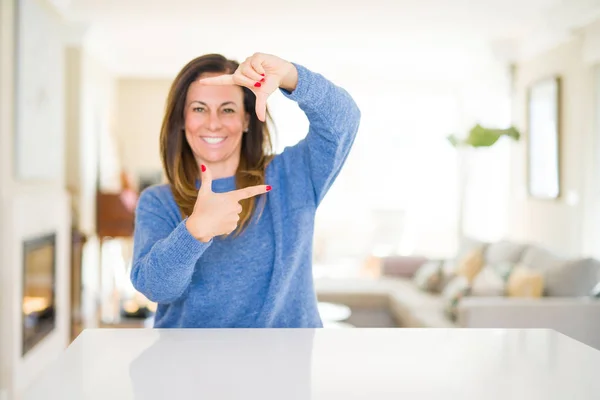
214, 121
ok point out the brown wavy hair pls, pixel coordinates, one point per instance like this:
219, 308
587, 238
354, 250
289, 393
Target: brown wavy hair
177, 158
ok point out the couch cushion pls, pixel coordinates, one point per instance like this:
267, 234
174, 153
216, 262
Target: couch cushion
540, 258
525, 282
471, 265
504, 251
563, 277
576, 278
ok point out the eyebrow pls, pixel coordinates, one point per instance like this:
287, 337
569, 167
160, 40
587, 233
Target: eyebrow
206, 105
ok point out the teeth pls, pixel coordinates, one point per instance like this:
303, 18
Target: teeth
213, 140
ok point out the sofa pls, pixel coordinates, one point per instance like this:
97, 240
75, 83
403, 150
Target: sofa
567, 304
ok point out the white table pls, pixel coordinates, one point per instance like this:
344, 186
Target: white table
322, 364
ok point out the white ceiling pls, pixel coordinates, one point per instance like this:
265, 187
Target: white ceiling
156, 37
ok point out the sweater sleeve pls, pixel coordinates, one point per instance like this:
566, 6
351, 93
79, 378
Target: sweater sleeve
333, 118
163, 258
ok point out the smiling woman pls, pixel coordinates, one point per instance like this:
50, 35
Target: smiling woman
217, 155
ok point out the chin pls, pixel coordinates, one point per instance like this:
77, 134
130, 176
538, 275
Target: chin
213, 156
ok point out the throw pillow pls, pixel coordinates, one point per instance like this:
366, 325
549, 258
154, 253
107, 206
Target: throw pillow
525, 282
488, 283
429, 276
456, 289
471, 264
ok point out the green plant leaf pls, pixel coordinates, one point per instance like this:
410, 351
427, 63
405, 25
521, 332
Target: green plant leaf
484, 137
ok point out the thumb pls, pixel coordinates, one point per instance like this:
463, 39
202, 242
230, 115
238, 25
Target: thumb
205, 179
261, 105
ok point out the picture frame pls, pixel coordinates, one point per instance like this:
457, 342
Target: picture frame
543, 139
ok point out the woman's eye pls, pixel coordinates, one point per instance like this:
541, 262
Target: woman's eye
228, 110
198, 109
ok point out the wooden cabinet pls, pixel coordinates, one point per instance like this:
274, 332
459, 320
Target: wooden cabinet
113, 219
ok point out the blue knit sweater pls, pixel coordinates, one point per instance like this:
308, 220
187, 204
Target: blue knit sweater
262, 278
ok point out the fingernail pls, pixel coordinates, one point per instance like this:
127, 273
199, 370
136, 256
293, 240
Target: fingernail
203, 168
262, 74
262, 80
269, 188
257, 84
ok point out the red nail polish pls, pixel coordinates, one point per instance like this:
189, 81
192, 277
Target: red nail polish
269, 188
262, 74
262, 80
203, 168
257, 84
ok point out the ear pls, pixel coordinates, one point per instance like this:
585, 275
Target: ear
246, 122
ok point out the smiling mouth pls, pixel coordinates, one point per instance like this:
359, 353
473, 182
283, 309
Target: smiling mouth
212, 140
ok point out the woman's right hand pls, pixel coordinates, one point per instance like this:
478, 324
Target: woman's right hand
217, 214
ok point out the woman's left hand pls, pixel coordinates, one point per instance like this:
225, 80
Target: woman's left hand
263, 74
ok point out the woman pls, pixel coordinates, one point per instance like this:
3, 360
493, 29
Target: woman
212, 248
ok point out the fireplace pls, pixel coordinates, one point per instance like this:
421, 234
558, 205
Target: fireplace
39, 282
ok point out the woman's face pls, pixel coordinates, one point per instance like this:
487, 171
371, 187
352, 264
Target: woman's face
215, 120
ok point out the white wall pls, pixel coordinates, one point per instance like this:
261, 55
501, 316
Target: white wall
591, 200
141, 105
91, 131
37, 206
557, 224
40, 141
591, 43
591, 245
6, 124
98, 135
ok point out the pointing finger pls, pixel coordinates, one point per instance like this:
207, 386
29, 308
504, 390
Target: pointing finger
250, 191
